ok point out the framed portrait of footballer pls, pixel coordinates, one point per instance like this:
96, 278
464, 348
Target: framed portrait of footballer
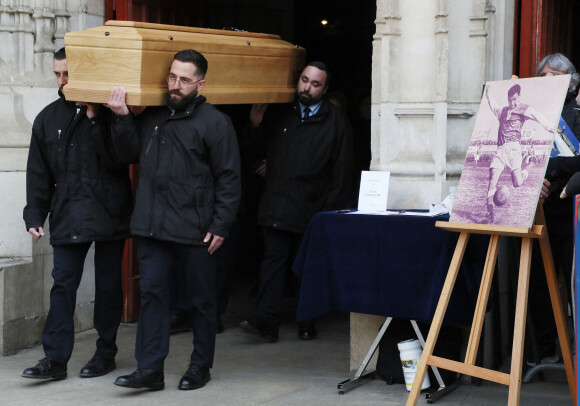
508, 152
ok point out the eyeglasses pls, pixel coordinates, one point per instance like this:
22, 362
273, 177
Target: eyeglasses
183, 82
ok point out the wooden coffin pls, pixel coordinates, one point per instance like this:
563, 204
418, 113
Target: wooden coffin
243, 67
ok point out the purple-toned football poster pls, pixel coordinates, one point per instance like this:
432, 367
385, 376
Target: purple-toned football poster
509, 149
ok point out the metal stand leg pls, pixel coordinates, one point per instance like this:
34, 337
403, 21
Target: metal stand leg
359, 378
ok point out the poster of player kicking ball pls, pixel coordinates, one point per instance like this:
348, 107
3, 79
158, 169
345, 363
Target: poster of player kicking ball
508, 153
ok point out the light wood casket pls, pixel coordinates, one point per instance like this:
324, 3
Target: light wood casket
243, 68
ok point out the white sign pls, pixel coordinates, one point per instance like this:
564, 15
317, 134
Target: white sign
373, 192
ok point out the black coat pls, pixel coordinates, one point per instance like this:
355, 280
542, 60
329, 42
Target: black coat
72, 174
560, 169
570, 113
189, 172
308, 165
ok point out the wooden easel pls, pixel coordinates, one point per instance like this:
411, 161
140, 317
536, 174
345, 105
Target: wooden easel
468, 367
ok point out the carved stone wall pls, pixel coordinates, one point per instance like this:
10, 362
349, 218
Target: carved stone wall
429, 67
30, 32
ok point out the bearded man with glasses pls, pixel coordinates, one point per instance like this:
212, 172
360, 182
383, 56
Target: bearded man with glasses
188, 194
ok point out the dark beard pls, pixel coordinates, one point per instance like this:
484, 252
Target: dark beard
305, 98
183, 102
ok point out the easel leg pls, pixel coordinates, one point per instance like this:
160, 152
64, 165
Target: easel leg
438, 318
559, 314
482, 299
520, 323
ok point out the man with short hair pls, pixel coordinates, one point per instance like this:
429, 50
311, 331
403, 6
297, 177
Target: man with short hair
73, 174
188, 194
308, 170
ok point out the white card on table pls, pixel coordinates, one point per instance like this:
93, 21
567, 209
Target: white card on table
374, 190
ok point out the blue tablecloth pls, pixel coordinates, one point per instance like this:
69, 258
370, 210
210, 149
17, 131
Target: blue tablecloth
385, 265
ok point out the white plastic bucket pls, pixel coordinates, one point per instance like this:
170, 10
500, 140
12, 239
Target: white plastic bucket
410, 352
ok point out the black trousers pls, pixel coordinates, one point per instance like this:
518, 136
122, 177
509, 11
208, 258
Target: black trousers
58, 333
280, 248
225, 258
156, 266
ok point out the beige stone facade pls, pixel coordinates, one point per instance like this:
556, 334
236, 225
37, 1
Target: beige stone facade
430, 61
30, 31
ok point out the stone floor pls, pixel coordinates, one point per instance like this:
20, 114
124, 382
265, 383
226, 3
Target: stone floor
248, 372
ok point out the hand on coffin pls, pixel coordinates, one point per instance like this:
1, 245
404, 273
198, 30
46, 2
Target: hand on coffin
117, 101
257, 114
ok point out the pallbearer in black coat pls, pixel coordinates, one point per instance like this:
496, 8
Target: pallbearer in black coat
73, 175
307, 170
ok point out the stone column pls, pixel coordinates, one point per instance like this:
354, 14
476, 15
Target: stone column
431, 59
410, 100
17, 67
44, 47
30, 31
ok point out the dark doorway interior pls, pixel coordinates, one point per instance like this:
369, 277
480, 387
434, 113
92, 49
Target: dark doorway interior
344, 43
543, 27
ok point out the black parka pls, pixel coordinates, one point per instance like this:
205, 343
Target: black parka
189, 171
308, 165
72, 173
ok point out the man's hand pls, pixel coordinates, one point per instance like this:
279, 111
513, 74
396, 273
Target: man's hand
261, 171
216, 242
257, 114
117, 101
36, 232
545, 189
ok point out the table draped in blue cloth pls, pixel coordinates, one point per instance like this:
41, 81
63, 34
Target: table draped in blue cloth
387, 265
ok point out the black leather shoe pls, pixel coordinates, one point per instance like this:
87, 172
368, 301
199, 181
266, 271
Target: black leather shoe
97, 366
306, 331
194, 378
256, 327
142, 378
46, 369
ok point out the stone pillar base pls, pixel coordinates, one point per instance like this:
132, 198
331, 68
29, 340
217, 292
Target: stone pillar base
21, 315
363, 331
